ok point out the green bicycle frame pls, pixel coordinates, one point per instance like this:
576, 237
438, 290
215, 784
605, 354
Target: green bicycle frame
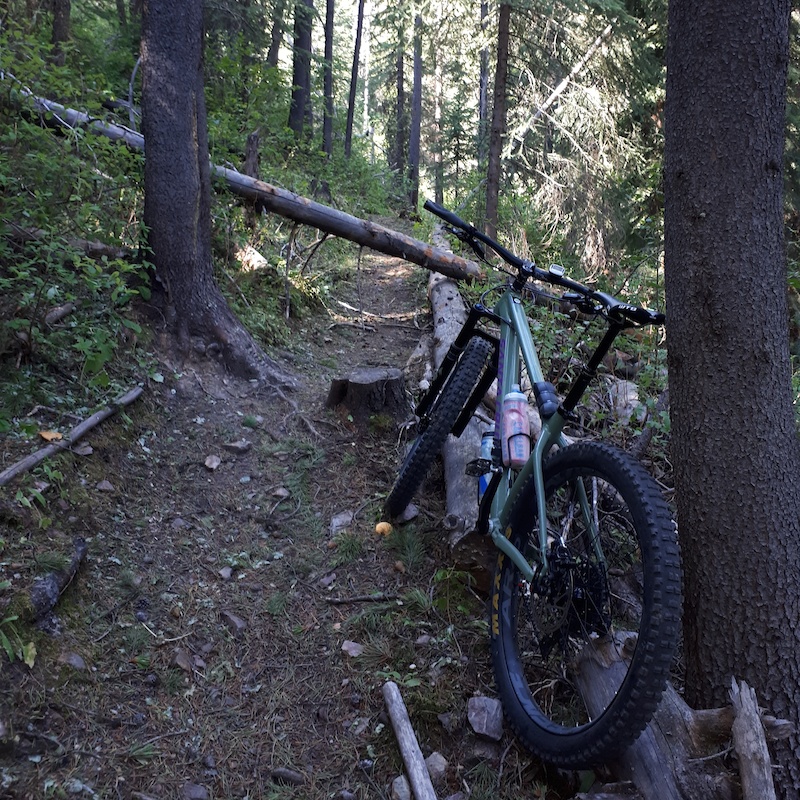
516, 338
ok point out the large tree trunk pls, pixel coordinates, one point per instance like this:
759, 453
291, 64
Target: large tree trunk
300, 110
498, 128
351, 100
482, 138
735, 447
178, 188
61, 13
327, 121
416, 117
276, 33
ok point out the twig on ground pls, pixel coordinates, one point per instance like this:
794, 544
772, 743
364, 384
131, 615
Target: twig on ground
360, 598
76, 433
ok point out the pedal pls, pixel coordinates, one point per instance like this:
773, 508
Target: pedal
478, 467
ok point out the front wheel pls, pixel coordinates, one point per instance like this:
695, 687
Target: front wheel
581, 656
441, 417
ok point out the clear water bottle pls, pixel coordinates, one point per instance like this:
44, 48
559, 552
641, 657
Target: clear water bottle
516, 429
487, 444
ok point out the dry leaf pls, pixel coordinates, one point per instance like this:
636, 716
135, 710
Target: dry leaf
181, 658
50, 436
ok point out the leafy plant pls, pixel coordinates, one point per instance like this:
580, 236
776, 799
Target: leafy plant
12, 643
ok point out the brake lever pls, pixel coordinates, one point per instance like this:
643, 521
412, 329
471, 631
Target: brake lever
582, 303
466, 238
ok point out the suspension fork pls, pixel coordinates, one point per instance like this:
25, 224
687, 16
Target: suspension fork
467, 332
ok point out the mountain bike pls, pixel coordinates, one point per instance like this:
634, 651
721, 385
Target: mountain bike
585, 600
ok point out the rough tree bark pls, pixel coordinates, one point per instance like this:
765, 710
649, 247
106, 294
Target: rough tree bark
416, 117
300, 110
327, 120
178, 190
351, 100
61, 14
735, 448
498, 126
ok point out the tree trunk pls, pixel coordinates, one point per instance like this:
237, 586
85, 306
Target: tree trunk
498, 121
327, 120
299, 111
483, 92
250, 168
438, 159
61, 12
351, 100
399, 154
416, 117
734, 442
276, 34
122, 14
366, 124
178, 189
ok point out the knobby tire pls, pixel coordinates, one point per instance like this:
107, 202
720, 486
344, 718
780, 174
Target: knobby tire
538, 639
440, 420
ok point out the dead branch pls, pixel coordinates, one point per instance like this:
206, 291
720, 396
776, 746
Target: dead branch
416, 769
46, 591
63, 444
751, 744
93, 249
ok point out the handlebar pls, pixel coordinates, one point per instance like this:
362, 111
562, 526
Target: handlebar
577, 293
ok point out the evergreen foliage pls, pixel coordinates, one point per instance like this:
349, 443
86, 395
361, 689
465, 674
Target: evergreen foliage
581, 179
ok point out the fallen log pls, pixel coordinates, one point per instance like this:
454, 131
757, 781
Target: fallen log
449, 315
361, 231
46, 591
93, 249
678, 756
276, 200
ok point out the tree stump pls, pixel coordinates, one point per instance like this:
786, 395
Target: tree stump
368, 393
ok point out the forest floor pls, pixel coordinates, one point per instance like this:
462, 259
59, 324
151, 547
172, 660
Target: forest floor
205, 648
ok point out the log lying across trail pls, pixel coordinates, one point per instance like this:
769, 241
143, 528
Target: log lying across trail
361, 231
280, 201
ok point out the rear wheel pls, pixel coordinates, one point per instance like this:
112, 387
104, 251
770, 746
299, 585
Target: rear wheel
581, 655
440, 420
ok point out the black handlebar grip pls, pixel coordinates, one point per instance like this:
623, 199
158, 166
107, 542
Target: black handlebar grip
447, 216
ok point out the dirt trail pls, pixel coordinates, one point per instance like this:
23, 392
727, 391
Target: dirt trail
199, 651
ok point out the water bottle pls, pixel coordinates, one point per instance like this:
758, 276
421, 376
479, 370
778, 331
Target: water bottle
516, 429
487, 444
